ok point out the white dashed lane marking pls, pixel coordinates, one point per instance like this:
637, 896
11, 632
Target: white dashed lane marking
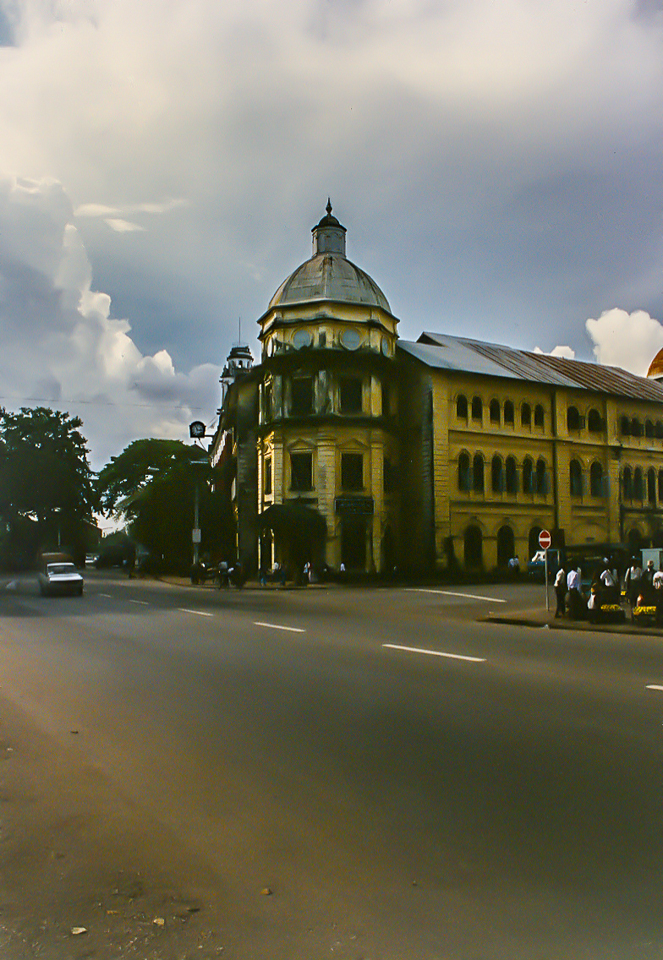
654, 686
278, 626
198, 613
142, 603
434, 653
451, 593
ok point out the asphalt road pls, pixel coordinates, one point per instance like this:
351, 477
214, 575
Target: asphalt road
359, 773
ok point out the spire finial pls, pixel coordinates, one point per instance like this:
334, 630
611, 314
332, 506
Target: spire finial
329, 207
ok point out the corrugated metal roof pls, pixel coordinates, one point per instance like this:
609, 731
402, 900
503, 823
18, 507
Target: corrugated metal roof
488, 359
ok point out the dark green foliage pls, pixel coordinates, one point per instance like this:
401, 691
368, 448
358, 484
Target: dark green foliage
152, 483
47, 495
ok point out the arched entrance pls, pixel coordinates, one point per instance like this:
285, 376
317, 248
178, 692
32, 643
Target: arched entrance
634, 541
505, 546
473, 544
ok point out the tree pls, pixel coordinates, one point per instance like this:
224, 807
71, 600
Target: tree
47, 496
152, 484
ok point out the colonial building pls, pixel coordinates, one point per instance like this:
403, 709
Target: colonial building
448, 451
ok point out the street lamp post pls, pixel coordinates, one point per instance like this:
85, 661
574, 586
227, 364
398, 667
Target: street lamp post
197, 431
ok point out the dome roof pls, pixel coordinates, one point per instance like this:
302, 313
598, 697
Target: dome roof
656, 366
329, 275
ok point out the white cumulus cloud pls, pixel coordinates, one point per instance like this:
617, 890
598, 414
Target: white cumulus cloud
559, 351
61, 345
627, 340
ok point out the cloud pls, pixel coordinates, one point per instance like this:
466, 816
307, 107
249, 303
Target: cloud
502, 160
627, 340
558, 351
122, 226
61, 344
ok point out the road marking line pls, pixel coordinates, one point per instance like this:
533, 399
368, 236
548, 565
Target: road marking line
451, 593
143, 603
107, 595
653, 686
198, 613
277, 626
434, 653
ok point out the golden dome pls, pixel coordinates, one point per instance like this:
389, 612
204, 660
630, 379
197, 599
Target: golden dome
656, 366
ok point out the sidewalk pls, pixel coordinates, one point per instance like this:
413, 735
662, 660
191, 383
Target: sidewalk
538, 616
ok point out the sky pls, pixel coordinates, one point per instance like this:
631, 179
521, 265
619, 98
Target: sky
498, 167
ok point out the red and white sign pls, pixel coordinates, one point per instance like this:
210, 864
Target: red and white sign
545, 539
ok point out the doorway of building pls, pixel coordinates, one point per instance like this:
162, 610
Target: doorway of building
473, 548
505, 546
353, 542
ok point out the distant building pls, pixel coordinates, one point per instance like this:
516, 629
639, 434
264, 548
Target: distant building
448, 451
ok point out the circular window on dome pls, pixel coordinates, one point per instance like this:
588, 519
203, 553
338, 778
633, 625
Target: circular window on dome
350, 339
302, 338
386, 347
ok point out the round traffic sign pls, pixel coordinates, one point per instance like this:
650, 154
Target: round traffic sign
545, 539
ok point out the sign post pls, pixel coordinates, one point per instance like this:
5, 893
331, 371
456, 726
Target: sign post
544, 542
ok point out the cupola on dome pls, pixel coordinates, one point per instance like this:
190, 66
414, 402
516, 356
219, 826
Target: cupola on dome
329, 275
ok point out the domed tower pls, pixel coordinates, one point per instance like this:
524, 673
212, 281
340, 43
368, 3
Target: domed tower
328, 436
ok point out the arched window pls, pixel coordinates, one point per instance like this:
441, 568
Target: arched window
636, 427
594, 422
508, 411
477, 408
649, 428
658, 430
512, 476
638, 485
573, 418
494, 411
651, 485
526, 415
477, 473
473, 544
538, 415
575, 478
527, 475
625, 426
627, 484
497, 479
461, 407
660, 485
540, 480
505, 546
596, 480
464, 471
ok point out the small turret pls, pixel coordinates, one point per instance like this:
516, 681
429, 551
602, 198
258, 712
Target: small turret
329, 234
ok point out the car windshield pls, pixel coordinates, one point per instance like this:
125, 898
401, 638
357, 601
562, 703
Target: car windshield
57, 568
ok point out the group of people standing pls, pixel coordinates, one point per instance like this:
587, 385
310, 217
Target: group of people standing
606, 589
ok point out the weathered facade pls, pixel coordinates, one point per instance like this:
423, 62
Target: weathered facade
430, 454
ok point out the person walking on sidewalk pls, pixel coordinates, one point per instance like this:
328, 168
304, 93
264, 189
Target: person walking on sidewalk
560, 592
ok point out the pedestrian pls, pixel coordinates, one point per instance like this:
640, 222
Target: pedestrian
657, 584
576, 605
514, 566
609, 592
560, 592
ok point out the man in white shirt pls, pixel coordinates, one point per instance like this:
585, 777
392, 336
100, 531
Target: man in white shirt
577, 609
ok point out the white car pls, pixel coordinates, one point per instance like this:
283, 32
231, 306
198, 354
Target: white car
60, 577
